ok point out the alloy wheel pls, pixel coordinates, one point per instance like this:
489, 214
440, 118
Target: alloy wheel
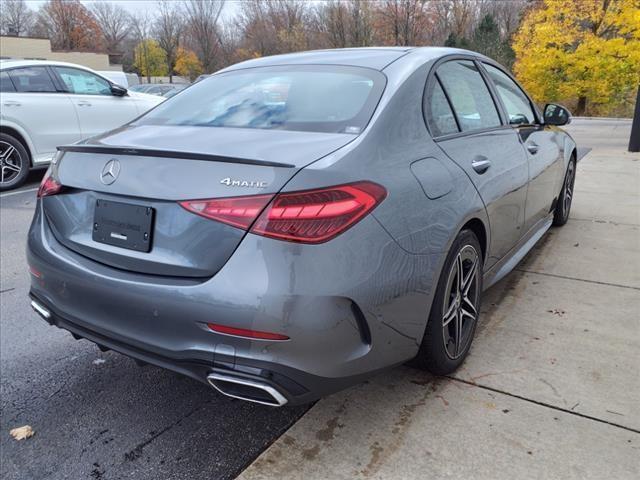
460, 306
10, 162
568, 189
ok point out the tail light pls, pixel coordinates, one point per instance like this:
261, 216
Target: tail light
309, 216
49, 186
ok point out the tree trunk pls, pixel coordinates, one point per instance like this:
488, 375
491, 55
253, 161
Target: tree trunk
582, 106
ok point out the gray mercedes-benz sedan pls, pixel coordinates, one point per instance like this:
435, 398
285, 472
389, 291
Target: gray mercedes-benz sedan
292, 224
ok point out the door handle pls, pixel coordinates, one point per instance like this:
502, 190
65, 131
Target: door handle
11, 103
83, 104
532, 148
480, 164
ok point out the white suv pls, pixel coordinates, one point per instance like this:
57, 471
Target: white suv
46, 104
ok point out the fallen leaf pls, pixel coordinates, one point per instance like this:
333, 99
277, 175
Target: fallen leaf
22, 433
98, 361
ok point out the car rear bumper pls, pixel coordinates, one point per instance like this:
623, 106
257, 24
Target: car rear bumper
344, 322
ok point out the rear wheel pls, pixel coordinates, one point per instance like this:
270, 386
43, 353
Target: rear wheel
563, 206
455, 309
14, 162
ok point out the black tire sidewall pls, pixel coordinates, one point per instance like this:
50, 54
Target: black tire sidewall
560, 217
24, 159
432, 355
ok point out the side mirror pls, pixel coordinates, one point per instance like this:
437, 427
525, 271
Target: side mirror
555, 114
117, 90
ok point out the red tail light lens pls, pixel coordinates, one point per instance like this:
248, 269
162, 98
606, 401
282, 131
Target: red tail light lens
49, 186
310, 216
240, 212
316, 216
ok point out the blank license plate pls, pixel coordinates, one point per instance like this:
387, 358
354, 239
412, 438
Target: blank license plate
123, 225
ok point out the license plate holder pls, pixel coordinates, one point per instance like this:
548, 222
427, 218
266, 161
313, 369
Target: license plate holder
123, 225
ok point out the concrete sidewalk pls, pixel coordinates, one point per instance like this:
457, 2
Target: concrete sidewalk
552, 386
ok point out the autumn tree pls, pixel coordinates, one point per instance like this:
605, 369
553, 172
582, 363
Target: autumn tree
587, 52
150, 59
169, 28
114, 23
188, 64
69, 25
16, 19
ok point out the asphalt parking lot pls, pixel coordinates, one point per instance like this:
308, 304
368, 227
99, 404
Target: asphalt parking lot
550, 389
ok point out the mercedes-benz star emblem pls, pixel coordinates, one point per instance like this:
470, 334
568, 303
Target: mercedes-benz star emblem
110, 172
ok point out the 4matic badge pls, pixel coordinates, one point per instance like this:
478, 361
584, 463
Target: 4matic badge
243, 183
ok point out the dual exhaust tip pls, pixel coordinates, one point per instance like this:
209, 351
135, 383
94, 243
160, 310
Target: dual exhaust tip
234, 387
246, 389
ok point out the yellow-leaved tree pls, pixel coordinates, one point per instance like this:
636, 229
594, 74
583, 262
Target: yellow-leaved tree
187, 64
586, 52
150, 59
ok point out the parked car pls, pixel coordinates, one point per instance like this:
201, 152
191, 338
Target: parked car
282, 245
166, 90
46, 104
142, 87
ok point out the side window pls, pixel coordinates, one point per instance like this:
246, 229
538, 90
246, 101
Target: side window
32, 79
438, 111
469, 95
5, 83
83, 83
515, 101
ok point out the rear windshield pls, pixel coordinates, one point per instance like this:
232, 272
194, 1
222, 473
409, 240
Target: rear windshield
308, 98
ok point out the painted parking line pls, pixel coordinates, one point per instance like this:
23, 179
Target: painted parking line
17, 192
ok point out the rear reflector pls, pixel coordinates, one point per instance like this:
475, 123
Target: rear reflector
243, 332
309, 216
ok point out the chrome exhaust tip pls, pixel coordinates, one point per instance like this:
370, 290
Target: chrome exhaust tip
246, 389
41, 310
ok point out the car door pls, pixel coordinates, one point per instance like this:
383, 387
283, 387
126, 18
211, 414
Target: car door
474, 135
98, 109
540, 144
38, 108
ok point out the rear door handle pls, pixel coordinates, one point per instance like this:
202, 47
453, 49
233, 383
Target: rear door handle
83, 104
11, 103
532, 148
480, 164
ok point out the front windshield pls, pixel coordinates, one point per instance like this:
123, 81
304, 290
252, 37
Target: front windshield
308, 98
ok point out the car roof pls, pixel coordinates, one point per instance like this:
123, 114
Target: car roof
8, 63
370, 57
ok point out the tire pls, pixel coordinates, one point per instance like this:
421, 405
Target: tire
14, 162
563, 206
441, 353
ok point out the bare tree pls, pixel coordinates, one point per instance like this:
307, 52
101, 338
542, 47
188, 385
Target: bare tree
403, 22
169, 28
141, 26
202, 27
113, 21
17, 18
508, 14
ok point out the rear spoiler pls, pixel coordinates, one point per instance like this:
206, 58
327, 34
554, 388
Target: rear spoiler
144, 152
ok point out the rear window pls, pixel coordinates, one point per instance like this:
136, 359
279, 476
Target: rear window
32, 79
308, 98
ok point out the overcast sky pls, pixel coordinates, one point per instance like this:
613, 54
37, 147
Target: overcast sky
134, 6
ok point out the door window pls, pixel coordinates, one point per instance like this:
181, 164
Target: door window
32, 79
82, 82
438, 111
469, 95
515, 101
5, 83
